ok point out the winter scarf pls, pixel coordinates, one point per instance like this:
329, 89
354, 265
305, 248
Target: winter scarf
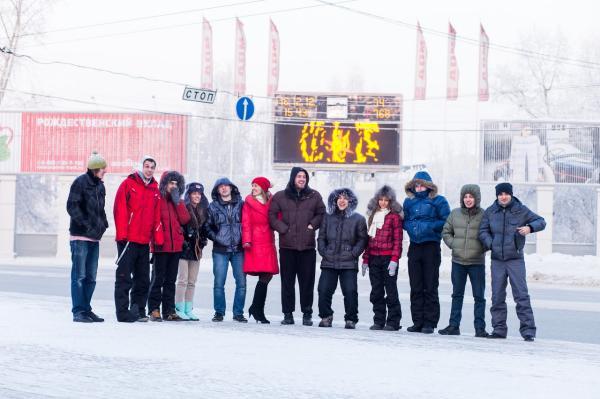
378, 220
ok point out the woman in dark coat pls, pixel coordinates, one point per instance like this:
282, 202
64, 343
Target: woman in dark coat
194, 241
260, 258
342, 239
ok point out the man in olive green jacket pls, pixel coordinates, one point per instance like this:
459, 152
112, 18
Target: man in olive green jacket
460, 234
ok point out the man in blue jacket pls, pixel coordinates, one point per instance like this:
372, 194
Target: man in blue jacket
425, 213
503, 229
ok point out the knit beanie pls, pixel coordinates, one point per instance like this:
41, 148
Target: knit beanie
195, 188
263, 182
96, 161
504, 188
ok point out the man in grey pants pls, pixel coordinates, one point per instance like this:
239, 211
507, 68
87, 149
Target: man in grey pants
503, 229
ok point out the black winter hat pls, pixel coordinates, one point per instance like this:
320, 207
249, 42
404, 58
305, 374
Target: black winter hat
504, 188
195, 187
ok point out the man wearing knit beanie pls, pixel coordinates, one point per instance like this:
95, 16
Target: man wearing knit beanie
85, 206
503, 229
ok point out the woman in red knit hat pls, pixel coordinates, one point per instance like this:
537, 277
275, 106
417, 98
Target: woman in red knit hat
260, 258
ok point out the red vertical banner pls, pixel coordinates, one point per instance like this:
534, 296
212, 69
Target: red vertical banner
207, 55
273, 73
452, 81
483, 87
421, 66
240, 59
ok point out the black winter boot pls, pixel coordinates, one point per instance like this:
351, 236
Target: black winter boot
307, 319
450, 330
288, 319
257, 309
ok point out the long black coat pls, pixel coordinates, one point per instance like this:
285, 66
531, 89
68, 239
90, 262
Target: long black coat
86, 207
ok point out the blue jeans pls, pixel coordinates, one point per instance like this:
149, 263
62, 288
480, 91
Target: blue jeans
459, 275
220, 263
84, 256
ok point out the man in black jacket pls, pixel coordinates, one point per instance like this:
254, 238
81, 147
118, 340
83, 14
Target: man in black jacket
88, 223
296, 214
224, 229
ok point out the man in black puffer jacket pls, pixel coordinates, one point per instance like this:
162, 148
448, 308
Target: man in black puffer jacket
88, 223
342, 239
224, 229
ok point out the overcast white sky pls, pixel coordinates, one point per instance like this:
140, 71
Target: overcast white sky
322, 48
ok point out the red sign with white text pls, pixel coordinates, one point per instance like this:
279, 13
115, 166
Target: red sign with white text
62, 142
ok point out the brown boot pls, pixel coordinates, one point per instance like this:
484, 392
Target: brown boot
155, 315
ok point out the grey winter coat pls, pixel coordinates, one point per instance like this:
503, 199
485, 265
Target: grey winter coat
343, 235
498, 229
461, 230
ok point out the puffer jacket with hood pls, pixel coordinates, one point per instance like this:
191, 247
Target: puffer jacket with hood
425, 212
388, 239
195, 236
224, 224
291, 212
343, 234
172, 216
461, 231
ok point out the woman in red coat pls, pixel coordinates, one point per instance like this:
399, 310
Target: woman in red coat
260, 258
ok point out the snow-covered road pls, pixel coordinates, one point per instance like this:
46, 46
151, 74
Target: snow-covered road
44, 355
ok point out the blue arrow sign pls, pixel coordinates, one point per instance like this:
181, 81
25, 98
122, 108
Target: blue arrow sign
244, 108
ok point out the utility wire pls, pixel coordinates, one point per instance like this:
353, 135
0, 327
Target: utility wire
250, 15
500, 47
123, 21
382, 124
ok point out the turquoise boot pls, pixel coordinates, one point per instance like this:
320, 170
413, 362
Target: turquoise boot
188, 312
181, 311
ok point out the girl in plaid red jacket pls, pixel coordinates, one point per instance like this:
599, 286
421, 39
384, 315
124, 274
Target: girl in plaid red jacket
381, 258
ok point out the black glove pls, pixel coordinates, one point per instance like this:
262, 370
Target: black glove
175, 195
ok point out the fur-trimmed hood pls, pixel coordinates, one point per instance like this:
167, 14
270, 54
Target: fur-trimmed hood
171, 175
388, 192
235, 192
423, 178
472, 189
352, 201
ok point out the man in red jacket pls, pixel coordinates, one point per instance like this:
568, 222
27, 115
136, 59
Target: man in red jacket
173, 214
137, 221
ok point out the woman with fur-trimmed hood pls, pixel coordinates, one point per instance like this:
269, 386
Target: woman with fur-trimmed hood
342, 239
425, 212
173, 214
381, 258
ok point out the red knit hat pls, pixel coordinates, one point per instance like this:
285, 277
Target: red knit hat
263, 182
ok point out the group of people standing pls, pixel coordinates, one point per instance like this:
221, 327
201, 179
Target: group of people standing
167, 224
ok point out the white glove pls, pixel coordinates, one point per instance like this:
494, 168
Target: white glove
392, 267
365, 267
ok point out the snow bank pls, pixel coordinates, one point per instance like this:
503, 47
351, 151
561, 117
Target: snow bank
43, 354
